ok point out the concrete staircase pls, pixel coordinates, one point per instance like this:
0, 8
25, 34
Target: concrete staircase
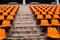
24, 26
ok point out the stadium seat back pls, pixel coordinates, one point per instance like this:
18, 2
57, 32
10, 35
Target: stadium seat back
6, 23
52, 32
2, 34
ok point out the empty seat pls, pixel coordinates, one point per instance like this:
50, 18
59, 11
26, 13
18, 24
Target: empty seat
57, 13
12, 13
40, 17
5, 14
1, 10
8, 10
37, 13
9, 17
32, 8
55, 22
44, 13
6, 23
57, 10
48, 17
1, 17
15, 10
35, 10
44, 23
52, 32
51, 13
2, 34
56, 17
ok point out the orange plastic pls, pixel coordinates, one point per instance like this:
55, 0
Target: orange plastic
6, 23
5, 14
57, 13
56, 17
10, 17
51, 13
37, 13
1, 17
40, 17
12, 13
55, 22
52, 33
2, 34
44, 13
44, 23
48, 17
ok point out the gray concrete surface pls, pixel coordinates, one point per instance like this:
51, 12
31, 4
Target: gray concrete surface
24, 26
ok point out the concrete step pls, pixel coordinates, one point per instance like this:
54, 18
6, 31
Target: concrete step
25, 22
31, 35
25, 25
23, 18
24, 15
25, 29
26, 38
26, 32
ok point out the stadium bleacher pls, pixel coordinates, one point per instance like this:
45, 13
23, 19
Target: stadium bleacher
47, 17
7, 15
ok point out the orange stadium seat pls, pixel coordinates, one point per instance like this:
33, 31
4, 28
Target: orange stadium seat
57, 13
56, 17
5, 14
12, 13
51, 13
2, 34
6, 23
1, 17
40, 17
52, 32
36, 13
15, 10
55, 22
44, 13
8, 10
9, 17
44, 23
48, 17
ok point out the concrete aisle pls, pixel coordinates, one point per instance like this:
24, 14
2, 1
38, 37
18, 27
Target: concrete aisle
25, 27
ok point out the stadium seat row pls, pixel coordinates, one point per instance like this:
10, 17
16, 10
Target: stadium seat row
7, 15
52, 22
45, 13
48, 16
